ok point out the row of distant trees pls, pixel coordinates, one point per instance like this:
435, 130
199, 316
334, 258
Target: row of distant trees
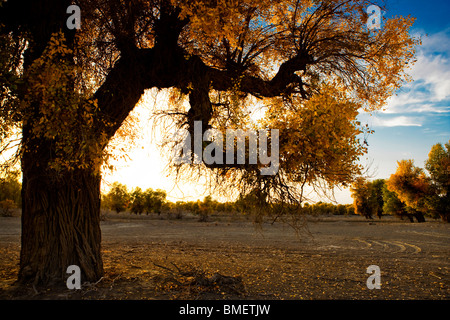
411, 191
136, 201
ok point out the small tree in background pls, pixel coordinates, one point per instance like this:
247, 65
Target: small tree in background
117, 198
10, 187
154, 200
137, 197
438, 165
412, 187
362, 197
377, 196
159, 197
206, 207
392, 205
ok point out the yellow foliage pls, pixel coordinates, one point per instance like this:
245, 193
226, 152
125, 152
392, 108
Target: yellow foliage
64, 116
411, 185
319, 137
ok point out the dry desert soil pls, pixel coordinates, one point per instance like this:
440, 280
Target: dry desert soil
229, 257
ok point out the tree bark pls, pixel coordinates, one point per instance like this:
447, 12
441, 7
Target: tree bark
60, 211
60, 221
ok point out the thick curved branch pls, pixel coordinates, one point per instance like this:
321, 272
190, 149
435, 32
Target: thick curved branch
163, 68
223, 80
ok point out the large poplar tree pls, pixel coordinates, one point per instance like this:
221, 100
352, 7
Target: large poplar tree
313, 63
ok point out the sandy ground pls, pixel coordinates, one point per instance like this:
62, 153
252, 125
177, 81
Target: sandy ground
150, 257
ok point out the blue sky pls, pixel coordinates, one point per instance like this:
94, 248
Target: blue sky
432, 15
419, 115
414, 119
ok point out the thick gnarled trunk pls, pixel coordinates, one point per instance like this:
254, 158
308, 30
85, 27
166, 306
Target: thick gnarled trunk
60, 223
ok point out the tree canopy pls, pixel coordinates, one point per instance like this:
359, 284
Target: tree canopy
314, 62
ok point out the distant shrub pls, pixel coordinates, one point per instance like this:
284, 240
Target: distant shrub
340, 210
350, 210
10, 187
6, 208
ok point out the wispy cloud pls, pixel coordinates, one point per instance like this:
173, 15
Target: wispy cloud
415, 100
432, 72
434, 43
429, 93
400, 121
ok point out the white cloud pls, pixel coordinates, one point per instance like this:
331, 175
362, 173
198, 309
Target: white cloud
430, 91
414, 101
434, 72
436, 42
400, 121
